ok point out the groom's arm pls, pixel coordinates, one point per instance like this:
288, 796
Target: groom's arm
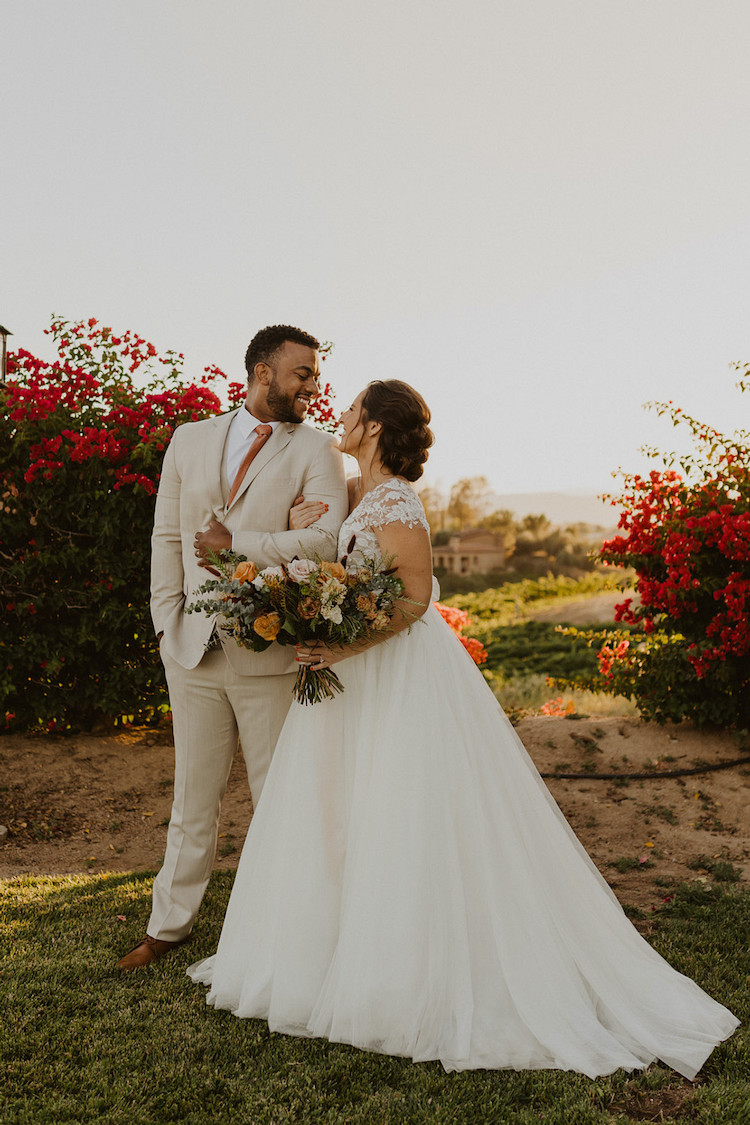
167, 574
325, 481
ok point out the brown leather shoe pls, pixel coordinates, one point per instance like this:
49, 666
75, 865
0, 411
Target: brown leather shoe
148, 950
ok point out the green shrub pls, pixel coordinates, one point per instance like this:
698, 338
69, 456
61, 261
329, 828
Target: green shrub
536, 647
81, 451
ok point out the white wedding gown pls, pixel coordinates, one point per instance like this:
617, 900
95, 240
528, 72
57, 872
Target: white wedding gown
408, 885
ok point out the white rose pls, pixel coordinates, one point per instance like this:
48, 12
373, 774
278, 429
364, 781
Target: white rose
300, 569
332, 613
269, 572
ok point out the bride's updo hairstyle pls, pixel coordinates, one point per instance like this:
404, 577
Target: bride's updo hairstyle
404, 415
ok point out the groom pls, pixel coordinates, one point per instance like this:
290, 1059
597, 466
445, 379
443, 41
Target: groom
229, 482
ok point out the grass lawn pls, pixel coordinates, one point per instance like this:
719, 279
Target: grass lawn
83, 1043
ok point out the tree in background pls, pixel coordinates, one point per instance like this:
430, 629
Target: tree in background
536, 527
686, 535
81, 448
435, 507
533, 535
502, 522
532, 546
470, 500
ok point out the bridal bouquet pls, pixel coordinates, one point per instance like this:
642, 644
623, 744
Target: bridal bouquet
301, 601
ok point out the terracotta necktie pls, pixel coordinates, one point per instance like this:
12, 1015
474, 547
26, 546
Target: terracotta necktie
264, 433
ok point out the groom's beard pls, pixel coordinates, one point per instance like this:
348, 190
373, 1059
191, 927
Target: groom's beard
286, 407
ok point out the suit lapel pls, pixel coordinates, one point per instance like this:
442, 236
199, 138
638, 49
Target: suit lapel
278, 441
214, 456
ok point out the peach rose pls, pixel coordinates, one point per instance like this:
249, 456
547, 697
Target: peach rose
268, 626
335, 570
300, 569
245, 572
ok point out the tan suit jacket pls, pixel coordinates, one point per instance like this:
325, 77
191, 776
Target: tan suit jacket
296, 459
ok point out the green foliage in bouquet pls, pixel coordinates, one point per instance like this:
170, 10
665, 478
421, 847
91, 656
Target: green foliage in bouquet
302, 601
686, 535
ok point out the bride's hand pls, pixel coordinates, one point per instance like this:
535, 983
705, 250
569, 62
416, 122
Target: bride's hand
317, 656
303, 513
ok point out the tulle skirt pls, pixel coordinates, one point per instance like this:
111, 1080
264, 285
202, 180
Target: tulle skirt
408, 885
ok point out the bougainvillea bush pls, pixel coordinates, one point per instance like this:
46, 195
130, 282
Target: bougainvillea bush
81, 444
458, 619
686, 535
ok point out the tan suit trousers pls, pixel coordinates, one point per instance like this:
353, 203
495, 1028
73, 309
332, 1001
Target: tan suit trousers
211, 706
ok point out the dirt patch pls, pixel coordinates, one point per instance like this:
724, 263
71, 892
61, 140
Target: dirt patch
645, 835
91, 803
597, 609
656, 1105
102, 803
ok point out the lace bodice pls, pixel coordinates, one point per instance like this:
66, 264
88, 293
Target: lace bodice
393, 501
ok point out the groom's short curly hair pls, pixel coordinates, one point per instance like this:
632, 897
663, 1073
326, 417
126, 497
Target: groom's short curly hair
266, 343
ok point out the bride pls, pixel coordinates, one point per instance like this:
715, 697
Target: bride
408, 885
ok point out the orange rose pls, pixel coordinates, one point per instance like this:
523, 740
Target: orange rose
268, 626
245, 572
335, 570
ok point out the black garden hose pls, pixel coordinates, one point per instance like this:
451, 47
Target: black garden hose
650, 774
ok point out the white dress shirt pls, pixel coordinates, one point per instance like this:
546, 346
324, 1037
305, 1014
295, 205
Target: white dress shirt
239, 439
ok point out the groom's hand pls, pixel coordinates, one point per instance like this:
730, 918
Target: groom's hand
217, 538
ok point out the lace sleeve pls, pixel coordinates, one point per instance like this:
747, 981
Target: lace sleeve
395, 502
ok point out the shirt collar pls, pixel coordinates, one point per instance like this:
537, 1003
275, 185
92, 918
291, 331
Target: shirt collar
246, 422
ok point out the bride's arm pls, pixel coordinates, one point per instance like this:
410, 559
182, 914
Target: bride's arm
303, 512
410, 549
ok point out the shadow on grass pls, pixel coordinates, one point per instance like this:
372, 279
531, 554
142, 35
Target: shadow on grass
81, 1042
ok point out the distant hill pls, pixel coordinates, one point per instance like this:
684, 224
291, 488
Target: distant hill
561, 508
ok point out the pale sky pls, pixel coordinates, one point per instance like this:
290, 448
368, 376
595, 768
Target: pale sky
535, 211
